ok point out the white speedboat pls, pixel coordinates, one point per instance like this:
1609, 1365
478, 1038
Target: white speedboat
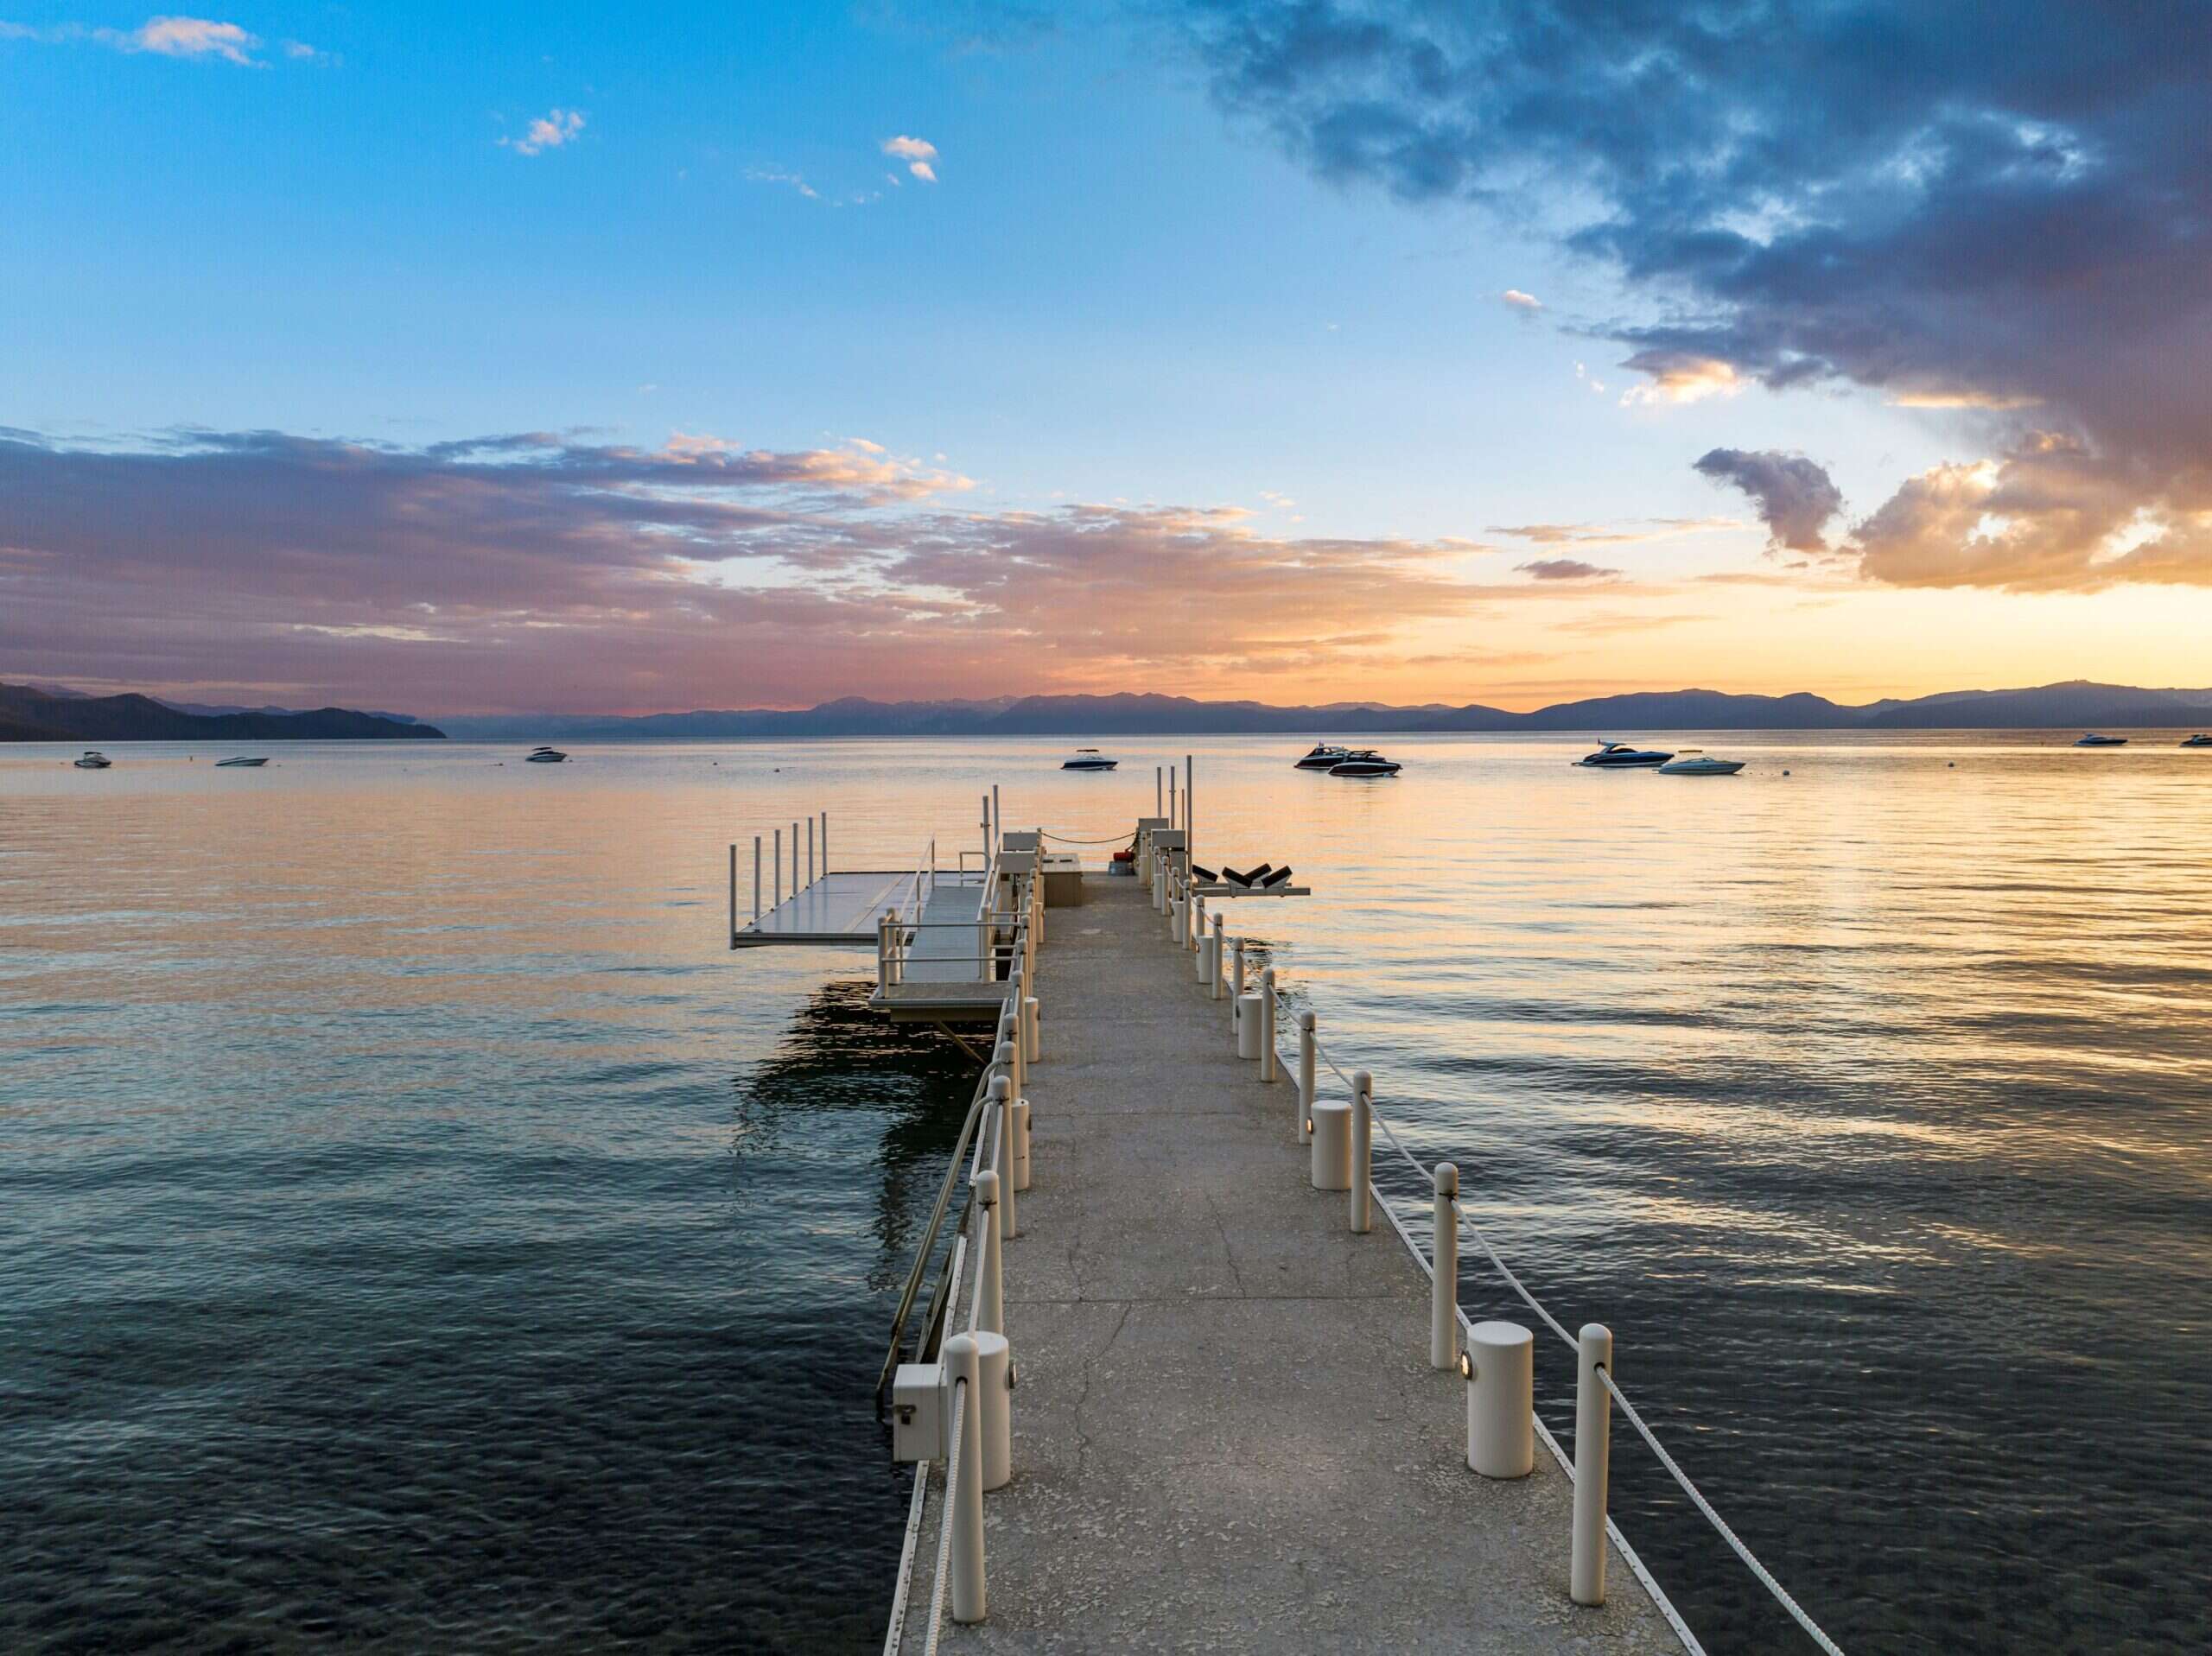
1088, 758
1696, 762
1325, 756
2199, 740
1365, 762
93, 760
546, 756
1619, 755
224, 764
2095, 740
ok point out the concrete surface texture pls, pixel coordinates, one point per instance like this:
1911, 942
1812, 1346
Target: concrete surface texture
1227, 1435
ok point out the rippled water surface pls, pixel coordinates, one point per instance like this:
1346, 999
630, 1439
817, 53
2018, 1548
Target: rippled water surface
419, 1231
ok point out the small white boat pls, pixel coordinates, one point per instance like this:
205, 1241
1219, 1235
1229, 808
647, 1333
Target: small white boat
1696, 762
2199, 740
1089, 758
546, 756
1365, 762
93, 760
1325, 756
1619, 755
241, 762
2095, 740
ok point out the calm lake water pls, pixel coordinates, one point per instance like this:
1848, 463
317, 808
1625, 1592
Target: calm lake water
419, 1231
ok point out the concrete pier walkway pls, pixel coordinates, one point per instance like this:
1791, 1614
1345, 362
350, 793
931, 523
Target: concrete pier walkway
1227, 1435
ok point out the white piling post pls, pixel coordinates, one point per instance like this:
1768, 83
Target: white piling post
1157, 794
1171, 797
1443, 1290
756, 879
1594, 1420
1501, 1370
965, 1474
732, 894
809, 850
1032, 1036
990, 1296
1307, 1047
1190, 778
1018, 1114
1362, 1150
794, 859
998, 822
779, 888
1267, 1016
825, 842
1214, 962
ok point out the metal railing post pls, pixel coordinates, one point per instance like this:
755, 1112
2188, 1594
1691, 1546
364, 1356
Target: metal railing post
1213, 960
1237, 987
882, 953
1362, 1150
990, 1293
1444, 1290
964, 1479
1307, 1047
1267, 1018
1593, 1419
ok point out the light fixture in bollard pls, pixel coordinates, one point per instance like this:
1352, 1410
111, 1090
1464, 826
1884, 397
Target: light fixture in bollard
994, 1386
1500, 1364
1444, 1289
964, 1478
1018, 1113
1362, 1207
1593, 1424
990, 1279
1307, 1047
1267, 1013
1328, 1123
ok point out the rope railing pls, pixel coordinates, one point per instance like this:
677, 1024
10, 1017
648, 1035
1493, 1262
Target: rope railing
1759, 1571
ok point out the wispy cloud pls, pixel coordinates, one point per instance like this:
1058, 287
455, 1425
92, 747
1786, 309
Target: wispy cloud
789, 181
1564, 570
1527, 303
919, 153
549, 131
168, 37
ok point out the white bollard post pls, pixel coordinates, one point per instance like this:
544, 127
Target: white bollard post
1329, 1125
1267, 1014
1007, 1056
990, 1296
1033, 1037
1594, 1421
1247, 1020
965, 1476
1444, 1292
995, 1388
1501, 1370
995, 1121
1362, 1150
1238, 987
1020, 1116
1200, 934
1307, 1047
1215, 962
777, 890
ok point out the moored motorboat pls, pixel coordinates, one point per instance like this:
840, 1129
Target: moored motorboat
2092, 739
241, 762
1325, 756
546, 756
1696, 762
1365, 762
1619, 755
2198, 740
93, 760
1088, 758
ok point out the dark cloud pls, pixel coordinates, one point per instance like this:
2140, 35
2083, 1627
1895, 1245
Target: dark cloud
547, 571
1564, 570
2002, 210
1794, 496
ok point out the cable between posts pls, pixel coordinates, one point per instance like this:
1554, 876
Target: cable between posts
1751, 1562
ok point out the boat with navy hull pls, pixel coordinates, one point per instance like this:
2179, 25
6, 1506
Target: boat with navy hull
1365, 762
1088, 758
2092, 739
546, 756
241, 762
1325, 756
93, 760
1619, 755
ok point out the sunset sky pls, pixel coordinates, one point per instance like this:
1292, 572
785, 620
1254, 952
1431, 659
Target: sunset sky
619, 358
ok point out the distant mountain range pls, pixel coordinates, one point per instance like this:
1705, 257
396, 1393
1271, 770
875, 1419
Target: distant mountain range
2078, 705
46, 714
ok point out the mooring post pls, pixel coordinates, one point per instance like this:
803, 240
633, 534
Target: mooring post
809, 850
1268, 1024
991, 1294
825, 842
1172, 818
1362, 1150
779, 866
1594, 1421
1307, 1047
1157, 794
1444, 1290
756, 879
1033, 1037
732, 894
964, 1478
1237, 987
1501, 1370
1019, 1117
794, 859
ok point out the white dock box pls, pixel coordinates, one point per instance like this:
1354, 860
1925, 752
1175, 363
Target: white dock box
918, 1412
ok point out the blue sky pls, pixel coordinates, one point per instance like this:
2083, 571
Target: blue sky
1138, 280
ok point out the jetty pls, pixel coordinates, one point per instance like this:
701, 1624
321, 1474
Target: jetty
1172, 1372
